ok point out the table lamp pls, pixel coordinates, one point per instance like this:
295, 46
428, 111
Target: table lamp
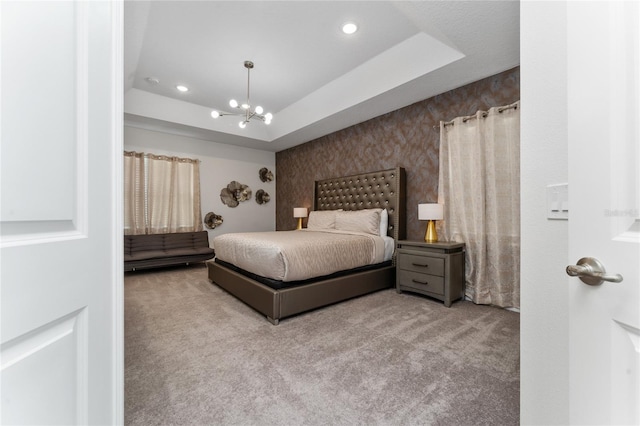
431, 212
299, 213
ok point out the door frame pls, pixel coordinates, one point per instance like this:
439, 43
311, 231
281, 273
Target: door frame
117, 202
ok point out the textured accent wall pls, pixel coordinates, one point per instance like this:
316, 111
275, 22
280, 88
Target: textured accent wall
404, 138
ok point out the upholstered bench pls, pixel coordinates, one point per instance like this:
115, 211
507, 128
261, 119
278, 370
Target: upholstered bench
155, 250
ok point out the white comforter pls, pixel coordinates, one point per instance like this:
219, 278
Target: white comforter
299, 255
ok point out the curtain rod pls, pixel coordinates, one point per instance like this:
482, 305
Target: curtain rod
484, 115
160, 157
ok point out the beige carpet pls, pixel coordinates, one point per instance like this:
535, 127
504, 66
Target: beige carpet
196, 355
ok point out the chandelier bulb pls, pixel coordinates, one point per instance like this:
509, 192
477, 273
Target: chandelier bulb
259, 110
268, 117
245, 106
215, 114
242, 124
233, 103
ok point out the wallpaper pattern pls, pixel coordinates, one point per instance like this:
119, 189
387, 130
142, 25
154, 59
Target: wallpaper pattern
405, 138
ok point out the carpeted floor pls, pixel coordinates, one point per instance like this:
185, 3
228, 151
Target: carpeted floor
196, 355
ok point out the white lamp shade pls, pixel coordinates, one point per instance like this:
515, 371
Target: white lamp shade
299, 212
432, 211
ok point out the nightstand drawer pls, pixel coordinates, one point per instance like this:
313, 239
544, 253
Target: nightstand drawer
423, 264
408, 280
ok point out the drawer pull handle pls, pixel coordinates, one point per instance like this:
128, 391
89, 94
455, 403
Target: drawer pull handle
420, 282
426, 265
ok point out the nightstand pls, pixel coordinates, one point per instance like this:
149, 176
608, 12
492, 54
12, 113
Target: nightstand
431, 269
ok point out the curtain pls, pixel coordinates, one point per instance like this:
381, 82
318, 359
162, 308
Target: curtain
173, 194
134, 194
479, 185
162, 194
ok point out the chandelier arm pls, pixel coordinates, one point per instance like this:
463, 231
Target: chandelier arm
248, 81
249, 112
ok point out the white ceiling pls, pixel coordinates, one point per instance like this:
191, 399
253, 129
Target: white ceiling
311, 76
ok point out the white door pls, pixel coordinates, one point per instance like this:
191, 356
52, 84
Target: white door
61, 255
604, 218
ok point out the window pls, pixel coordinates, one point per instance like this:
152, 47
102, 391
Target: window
161, 194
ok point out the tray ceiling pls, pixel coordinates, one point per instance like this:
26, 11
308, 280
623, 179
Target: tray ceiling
311, 76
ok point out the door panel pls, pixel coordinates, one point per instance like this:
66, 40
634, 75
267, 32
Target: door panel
27, 373
48, 176
625, 374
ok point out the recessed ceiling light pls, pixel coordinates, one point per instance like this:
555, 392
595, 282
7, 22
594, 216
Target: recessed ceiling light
182, 88
349, 28
152, 81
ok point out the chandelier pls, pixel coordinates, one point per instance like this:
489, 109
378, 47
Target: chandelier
246, 112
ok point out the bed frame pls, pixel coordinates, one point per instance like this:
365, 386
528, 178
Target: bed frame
384, 189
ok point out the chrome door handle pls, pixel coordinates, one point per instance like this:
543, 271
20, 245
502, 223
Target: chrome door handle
591, 271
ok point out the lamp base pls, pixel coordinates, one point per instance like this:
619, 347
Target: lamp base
431, 236
299, 223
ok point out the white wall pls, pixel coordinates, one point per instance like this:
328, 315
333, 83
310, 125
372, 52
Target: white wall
219, 165
544, 349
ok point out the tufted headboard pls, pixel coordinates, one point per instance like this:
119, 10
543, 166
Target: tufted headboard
384, 189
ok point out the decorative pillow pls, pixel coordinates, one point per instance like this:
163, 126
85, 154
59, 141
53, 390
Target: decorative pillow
322, 219
367, 221
384, 222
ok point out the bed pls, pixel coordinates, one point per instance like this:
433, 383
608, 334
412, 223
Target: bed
292, 294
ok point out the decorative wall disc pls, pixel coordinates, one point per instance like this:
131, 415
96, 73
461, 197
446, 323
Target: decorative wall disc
262, 197
265, 175
211, 220
234, 193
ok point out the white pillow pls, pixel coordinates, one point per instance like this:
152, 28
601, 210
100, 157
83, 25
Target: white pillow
384, 222
322, 219
367, 221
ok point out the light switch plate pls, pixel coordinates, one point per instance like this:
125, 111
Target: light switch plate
558, 201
